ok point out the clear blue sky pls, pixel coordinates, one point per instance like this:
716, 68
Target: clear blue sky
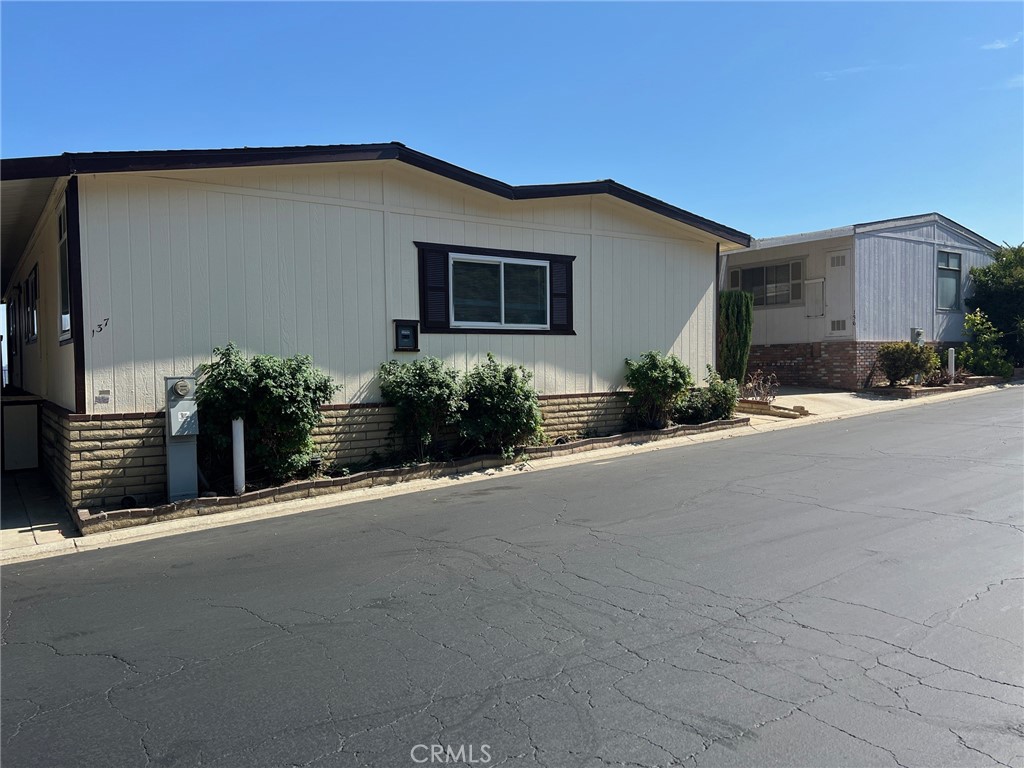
771, 118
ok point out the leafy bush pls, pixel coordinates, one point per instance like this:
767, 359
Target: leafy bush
984, 355
902, 360
280, 400
703, 404
427, 397
501, 407
999, 293
735, 330
657, 381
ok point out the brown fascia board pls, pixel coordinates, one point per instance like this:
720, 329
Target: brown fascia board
71, 163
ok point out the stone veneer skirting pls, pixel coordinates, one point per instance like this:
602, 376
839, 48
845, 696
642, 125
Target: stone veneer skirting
114, 461
833, 364
105, 461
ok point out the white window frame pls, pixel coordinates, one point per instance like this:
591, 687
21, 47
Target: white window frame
63, 334
501, 260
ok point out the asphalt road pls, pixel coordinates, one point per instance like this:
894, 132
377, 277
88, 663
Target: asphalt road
841, 594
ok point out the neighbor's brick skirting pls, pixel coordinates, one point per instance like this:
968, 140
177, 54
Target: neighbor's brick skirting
109, 461
833, 364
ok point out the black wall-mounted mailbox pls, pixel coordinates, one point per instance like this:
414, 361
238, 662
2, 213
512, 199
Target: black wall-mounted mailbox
407, 335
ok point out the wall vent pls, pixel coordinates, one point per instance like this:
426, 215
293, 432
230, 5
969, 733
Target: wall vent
838, 325
838, 260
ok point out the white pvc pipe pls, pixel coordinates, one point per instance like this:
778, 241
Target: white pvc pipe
952, 364
238, 454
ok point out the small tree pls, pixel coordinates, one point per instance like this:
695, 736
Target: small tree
999, 293
501, 407
427, 397
735, 330
657, 381
280, 400
984, 355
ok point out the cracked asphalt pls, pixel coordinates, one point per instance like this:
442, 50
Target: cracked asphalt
842, 594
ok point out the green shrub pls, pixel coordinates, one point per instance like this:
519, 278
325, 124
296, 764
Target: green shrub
703, 404
735, 330
902, 360
280, 400
657, 381
984, 355
427, 397
999, 293
501, 407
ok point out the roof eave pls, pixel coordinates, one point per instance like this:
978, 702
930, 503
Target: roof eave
184, 159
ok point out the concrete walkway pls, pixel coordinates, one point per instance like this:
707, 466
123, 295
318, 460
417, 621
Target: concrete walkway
40, 528
31, 514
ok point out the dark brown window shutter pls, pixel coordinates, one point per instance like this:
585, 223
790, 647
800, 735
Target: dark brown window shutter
433, 290
561, 296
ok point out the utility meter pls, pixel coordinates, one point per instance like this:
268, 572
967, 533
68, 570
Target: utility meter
181, 431
182, 418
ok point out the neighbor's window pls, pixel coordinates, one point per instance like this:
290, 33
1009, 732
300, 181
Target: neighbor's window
478, 290
64, 324
32, 305
772, 284
948, 281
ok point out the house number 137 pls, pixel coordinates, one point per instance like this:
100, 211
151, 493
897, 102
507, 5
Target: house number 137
100, 326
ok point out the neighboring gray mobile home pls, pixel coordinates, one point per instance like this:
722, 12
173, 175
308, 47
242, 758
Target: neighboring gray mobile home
120, 269
824, 301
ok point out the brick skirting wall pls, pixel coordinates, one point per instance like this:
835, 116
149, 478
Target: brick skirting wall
55, 447
114, 460
351, 434
591, 415
832, 364
105, 461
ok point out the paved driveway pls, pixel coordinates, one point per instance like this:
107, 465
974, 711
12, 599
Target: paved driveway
843, 594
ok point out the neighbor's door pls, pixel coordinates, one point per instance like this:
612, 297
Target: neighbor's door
838, 293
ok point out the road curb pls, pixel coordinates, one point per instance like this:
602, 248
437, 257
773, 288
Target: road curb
283, 508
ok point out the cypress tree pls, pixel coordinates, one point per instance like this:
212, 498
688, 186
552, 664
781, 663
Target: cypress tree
735, 330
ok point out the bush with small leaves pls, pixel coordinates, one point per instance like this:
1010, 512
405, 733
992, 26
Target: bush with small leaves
427, 396
703, 404
902, 360
658, 381
502, 410
984, 355
279, 399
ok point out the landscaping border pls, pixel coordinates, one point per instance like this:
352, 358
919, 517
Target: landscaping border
92, 521
911, 391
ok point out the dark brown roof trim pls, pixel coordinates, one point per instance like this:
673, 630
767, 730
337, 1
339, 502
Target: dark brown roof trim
71, 163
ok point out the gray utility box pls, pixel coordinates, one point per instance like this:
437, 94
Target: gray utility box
181, 431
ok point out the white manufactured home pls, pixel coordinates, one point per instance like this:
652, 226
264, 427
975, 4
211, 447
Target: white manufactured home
121, 269
824, 301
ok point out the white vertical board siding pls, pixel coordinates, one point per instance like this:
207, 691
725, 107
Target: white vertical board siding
47, 367
320, 260
896, 282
